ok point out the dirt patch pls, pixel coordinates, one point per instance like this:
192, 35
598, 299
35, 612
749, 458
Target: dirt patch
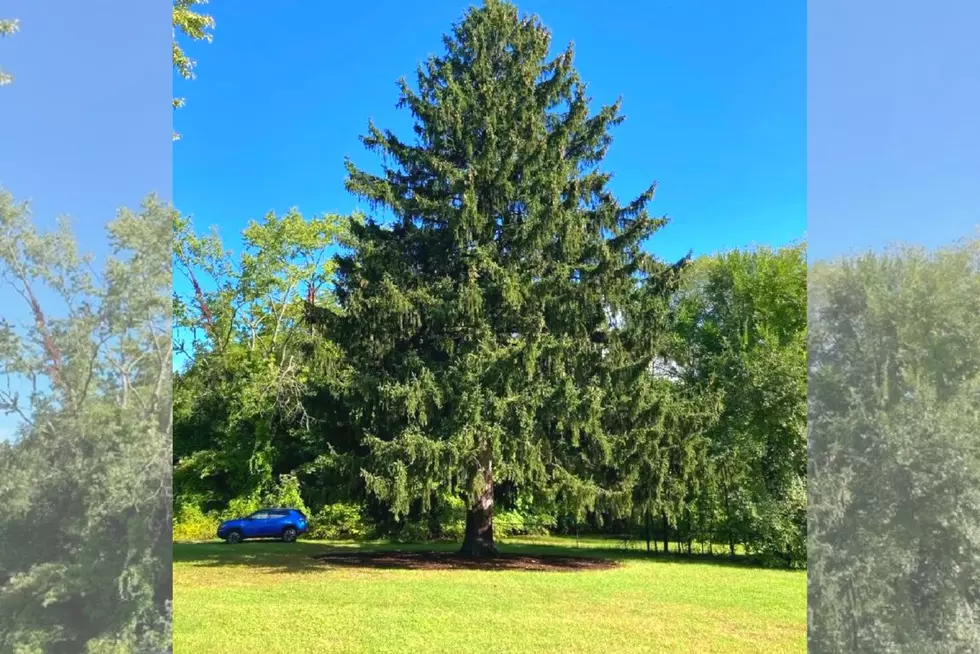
454, 561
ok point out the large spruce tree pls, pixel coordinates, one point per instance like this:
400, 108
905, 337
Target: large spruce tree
500, 296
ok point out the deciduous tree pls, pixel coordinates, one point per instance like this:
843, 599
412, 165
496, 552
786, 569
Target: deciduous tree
85, 505
743, 323
247, 359
194, 25
894, 461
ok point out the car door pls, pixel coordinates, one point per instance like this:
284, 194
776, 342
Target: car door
277, 520
256, 524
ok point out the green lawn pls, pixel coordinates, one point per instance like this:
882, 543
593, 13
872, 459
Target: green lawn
273, 597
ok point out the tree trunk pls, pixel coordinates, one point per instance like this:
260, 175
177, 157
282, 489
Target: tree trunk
666, 535
728, 520
478, 539
435, 528
648, 530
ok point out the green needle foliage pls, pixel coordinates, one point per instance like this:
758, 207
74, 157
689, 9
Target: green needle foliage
501, 298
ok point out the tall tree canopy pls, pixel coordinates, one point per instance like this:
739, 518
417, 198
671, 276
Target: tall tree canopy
501, 289
85, 504
240, 406
894, 462
743, 322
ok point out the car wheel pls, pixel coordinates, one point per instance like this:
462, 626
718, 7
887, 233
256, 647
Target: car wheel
234, 537
288, 535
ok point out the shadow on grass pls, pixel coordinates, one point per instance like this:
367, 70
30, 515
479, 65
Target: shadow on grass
435, 560
319, 556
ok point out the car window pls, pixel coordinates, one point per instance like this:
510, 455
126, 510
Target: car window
260, 515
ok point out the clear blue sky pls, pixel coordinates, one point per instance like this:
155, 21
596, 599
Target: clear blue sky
714, 94
893, 136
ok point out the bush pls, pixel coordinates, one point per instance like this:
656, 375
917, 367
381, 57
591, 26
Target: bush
452, 521
190, 523
451, 515
781, 529
239, 508
513, 523
340, 521
455, 530
413, 532
285, 494
517, 523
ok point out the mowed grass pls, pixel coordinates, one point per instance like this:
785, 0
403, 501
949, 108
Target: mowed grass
273, 597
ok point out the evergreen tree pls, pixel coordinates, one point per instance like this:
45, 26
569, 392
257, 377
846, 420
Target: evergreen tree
502, 291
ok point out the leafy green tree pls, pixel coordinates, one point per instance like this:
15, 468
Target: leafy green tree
85, 504
894, 463
480, 325
242, 412
194, 25
8, 27
743, 319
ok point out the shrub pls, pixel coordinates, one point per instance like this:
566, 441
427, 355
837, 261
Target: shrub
340, 521
455, 530
518, 523
452, 520
413, 532
286, 494
451, 515
239, 508
780, 533
190, 523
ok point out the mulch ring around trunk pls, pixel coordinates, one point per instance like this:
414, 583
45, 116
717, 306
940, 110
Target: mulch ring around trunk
456, 561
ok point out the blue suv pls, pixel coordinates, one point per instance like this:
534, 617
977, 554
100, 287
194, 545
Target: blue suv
286, 524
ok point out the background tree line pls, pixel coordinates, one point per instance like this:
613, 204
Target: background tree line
894, 462
258, 417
